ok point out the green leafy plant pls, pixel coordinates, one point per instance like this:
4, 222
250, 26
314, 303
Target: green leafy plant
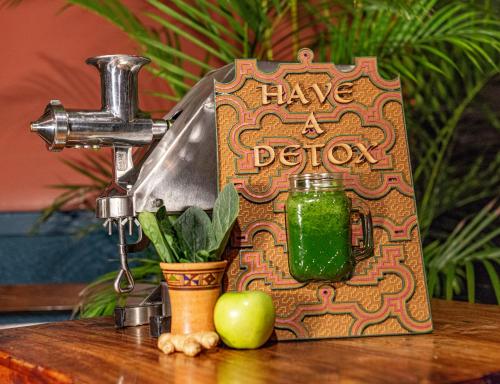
192, 237
446, 53
467, 244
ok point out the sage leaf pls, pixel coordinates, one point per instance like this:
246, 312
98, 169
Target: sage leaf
151, 229
194, 229
226, 210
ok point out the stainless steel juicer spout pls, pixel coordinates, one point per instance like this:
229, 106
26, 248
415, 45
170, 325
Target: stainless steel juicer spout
118, 124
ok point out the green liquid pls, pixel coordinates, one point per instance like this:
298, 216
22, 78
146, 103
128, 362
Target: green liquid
319, 236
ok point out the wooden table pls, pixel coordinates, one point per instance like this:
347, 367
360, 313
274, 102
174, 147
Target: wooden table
39, 297
465, 347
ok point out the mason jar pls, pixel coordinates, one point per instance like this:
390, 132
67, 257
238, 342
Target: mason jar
319, 217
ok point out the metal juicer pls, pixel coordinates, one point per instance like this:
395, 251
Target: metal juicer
175, 166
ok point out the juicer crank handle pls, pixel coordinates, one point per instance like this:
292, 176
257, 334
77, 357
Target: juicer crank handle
124, 273
361, 253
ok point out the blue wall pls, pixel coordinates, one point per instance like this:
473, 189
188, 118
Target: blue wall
56, 253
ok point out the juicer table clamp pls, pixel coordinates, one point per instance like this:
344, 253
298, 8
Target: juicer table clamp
154, 310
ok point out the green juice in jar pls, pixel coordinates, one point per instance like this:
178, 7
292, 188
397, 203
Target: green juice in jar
319, 231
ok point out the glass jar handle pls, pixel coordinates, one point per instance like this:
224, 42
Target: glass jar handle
361, 253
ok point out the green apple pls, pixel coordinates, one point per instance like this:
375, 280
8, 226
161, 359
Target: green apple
244, 320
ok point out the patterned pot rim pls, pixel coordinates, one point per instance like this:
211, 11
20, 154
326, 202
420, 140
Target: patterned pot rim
191, 267
198, 276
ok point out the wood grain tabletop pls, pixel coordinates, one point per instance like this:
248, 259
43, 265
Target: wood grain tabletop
464, 348
39, 297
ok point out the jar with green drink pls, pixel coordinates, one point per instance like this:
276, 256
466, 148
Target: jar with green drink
319, 215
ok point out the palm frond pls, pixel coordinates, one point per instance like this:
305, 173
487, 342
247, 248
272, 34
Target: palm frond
453, 259
445, 52
9, 3
97, 168
100, 299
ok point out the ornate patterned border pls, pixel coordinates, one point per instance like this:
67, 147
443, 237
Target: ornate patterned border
387, 294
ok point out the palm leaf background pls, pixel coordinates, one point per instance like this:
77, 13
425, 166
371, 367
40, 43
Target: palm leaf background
446, 53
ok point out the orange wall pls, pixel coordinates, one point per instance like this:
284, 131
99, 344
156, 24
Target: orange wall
43, 54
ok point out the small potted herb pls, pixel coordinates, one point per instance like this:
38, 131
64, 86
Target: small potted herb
191, 246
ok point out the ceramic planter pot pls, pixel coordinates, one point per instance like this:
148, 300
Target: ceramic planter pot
193, 289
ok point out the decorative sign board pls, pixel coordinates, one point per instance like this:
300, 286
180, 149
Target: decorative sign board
311, 117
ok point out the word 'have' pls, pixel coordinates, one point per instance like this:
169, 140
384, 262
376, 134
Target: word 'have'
342, 93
